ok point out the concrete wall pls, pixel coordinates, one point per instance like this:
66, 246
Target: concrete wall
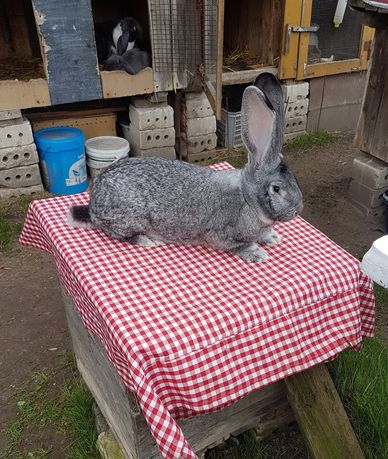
335, 102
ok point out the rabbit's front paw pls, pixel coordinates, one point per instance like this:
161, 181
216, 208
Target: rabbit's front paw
253, 254
272, 238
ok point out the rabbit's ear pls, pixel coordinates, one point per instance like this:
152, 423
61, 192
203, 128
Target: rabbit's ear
122, 42
272, 89
258, 126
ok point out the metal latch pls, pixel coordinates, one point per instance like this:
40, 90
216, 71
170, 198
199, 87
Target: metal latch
298, 29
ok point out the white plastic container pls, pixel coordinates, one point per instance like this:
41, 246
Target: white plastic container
125, 129
102, 151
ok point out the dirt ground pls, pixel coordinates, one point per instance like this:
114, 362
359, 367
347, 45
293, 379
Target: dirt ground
33, 330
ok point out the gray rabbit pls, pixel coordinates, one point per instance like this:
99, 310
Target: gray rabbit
132, 61
152, 201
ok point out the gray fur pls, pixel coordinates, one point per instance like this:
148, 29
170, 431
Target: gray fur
149, 201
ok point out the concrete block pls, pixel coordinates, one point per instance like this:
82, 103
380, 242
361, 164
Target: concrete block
370, 171
152, 138
18, 156
296, 124
292, 135
6, 193
198, 105
162, 152
201, 126
201, 143
14, 133
367, 197
295, 91
202, 157
10, 115
298, 108
151, 116
18, 177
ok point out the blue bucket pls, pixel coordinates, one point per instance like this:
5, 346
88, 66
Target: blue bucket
62, 154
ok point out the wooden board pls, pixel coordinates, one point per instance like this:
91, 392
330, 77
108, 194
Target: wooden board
266, 408
372, 132
321, 416
246, 76
69, 52
92, 125
120, 84
24, 94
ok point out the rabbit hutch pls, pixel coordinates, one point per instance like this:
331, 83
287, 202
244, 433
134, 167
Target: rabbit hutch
49, 58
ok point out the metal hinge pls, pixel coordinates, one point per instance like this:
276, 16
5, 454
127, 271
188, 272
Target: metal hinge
297, 29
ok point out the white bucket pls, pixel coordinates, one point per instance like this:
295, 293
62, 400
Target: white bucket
102, 151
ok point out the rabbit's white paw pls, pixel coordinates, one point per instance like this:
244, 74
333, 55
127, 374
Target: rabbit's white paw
145, 241
272, 238
253, 254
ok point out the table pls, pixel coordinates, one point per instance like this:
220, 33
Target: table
191, 330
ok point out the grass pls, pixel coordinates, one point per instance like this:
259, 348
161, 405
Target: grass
362, 383
309, 140
9, 232
44, 406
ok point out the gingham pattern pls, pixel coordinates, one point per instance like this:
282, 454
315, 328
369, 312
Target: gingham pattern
190, 329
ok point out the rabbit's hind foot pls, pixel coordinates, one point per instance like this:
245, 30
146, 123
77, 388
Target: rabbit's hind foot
145, 241
252, 254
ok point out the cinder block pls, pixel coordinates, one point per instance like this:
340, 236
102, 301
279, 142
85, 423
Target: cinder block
162, 152
298, 108
10, 115
296, 124
295, 91
366, 196
202, 157
370, 171
18, 177
292, 135
201, 143
18, 156
6, 193
201, 126
14, 133
198, 105
151, 116
152, 138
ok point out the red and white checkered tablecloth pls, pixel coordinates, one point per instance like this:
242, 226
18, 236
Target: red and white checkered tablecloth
191, 329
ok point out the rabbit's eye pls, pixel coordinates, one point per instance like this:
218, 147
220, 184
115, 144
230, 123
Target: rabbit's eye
133, 29
276, 188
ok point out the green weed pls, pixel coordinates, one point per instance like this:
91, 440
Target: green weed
308, 140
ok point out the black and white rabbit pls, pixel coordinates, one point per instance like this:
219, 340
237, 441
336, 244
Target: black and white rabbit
132, 61
115, 38
152, 201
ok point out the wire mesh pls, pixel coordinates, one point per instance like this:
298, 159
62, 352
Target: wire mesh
183, 34
330, 43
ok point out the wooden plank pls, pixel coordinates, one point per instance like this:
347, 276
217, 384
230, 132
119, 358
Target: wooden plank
246, 76
290, 42
24, 94
321, 416
331, 68
304, 40
372, 133
68, 44
266, 408
120, 84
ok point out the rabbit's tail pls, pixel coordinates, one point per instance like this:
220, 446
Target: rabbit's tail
79, 217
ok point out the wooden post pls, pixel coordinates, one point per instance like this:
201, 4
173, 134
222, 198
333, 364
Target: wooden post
321, 416
372, 132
